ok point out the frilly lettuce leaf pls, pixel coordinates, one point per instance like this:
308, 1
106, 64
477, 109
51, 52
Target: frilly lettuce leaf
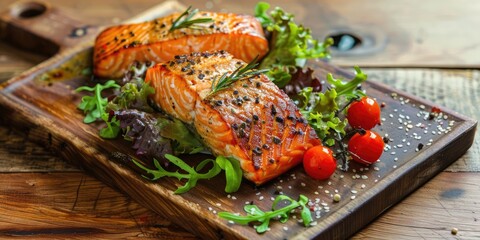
321, 109
290, 44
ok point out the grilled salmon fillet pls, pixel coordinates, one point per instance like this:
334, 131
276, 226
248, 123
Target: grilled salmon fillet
119, 46
251, 120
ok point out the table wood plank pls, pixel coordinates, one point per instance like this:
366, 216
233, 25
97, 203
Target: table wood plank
75, 205
405, 33
450, 200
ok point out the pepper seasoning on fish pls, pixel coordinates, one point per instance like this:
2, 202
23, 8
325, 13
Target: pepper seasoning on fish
116, 48
251, 120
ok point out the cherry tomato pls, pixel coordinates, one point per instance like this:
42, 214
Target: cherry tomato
366, 148
319, 163
364, 113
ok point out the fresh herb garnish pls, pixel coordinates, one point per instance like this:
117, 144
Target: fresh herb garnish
133, 95
254, 214
241, 72
94, 107
233, 172
185, 20
321, 109
291, 45
183, 141
192, 174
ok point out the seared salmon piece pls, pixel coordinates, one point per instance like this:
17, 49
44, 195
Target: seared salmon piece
118, 47
251, 120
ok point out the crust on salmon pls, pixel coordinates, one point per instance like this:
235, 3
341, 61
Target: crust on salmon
252, 120
118, 47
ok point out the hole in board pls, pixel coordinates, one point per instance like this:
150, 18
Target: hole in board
345, 41
28, 9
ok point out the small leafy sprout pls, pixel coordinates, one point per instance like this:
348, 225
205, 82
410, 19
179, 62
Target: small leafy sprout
254, 214
185, 20
241, 72
95, 108
230, 165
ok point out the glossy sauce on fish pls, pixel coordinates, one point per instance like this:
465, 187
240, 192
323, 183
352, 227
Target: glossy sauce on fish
119, 46
252, 120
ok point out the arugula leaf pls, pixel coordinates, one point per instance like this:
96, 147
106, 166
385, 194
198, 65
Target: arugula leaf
321, 109
233, 172
192, 175
290, 44
254, 214
94, 108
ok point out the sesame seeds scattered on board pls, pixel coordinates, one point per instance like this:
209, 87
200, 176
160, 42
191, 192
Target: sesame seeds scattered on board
408, 133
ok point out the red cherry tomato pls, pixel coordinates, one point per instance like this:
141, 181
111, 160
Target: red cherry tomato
364, 113
366, 148
319, 163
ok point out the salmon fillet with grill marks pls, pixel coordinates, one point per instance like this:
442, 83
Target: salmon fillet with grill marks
119, 46
252, 120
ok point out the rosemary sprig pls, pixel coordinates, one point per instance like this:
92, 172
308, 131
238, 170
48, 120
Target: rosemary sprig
185, 20
241, 72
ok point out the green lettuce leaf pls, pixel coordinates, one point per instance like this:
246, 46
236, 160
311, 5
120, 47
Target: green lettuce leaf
290, 44
321, 109
184, 141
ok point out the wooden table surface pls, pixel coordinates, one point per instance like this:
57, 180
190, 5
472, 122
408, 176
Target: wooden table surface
427, 48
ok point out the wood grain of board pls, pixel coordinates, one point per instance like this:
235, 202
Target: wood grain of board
458, 90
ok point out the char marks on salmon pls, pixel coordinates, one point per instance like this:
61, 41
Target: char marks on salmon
119, 46
251, 120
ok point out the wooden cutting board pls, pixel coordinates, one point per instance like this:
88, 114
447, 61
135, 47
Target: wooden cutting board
42, 102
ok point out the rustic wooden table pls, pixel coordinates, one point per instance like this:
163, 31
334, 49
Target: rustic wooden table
427, 48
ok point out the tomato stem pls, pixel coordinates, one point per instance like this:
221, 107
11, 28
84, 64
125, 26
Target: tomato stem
343, 152
357, 98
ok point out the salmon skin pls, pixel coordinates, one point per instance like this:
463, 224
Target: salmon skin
251, 120
119, 46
